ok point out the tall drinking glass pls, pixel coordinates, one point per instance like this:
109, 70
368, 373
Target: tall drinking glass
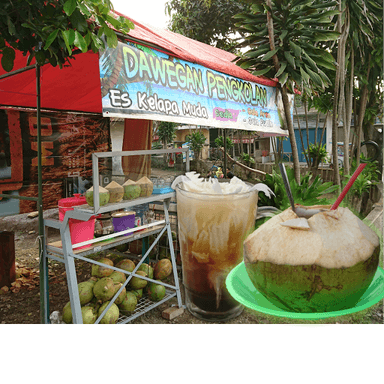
212, 228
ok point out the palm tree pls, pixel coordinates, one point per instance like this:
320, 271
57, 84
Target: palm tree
286, 39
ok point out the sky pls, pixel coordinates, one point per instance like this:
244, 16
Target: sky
146, 11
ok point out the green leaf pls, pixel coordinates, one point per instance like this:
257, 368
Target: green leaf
326, 36
310, 61
295, 49
283, 78
66, 37
80, 42
268, 55
8, 58
314, 77
11, 26
84, 9
257, 52
283, 65
261, 72
30, 58
112, 41
304, 75
40, 57
99, 44
69, 7
290, 59
283, 34
50, 39
79, 21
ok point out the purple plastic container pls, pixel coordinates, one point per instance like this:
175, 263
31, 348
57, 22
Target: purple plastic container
122, 221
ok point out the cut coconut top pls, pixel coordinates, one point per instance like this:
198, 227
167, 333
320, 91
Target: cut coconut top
101, 189
144, 180
113, 185
335, 239
129, 182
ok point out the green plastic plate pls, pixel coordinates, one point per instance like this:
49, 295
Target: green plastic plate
241, 288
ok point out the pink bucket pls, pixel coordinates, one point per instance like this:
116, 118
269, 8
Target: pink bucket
80, 230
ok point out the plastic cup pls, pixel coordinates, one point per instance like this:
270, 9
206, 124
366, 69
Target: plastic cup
212, 228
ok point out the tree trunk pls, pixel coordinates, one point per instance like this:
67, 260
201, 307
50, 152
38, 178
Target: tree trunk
348, 116
291, 131
307, 158
284, 94
317, 124
306, 123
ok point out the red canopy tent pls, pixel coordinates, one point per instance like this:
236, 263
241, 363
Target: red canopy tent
76, 87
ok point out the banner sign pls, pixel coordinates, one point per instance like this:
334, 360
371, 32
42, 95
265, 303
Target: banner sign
143, 83
67, 143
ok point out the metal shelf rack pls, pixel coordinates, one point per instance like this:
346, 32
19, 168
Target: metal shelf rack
65, 252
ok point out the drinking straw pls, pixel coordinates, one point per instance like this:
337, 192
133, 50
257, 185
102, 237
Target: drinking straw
287, 186
348, 186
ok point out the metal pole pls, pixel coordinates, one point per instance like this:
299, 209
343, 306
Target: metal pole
225, 153
42, 262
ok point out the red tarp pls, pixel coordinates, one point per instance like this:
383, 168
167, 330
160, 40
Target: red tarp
77, 87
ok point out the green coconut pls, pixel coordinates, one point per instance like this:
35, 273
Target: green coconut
147, 269
122, 247
103, 196
101, 271
122, 294
92, 280
85, 291
131, 190
129, 303
67, 313
155, 292
146, 186
104, 289
137, 282
89, 314
138, 293
95, 303
118, 277
116, 192
112, 314
163, 269
126, 265
322, 263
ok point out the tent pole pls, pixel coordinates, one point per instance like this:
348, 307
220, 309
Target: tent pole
42, 260
225, 153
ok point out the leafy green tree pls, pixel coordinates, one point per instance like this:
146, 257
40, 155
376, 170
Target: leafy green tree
166, 132
205, 20
197, 141
53, 31
285, 40
219, 141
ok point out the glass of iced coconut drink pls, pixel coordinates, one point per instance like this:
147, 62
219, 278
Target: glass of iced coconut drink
213, 220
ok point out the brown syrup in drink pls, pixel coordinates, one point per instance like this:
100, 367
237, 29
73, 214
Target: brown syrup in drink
205, 282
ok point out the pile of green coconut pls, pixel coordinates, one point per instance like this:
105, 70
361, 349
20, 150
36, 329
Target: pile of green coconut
98, 292
115, 193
